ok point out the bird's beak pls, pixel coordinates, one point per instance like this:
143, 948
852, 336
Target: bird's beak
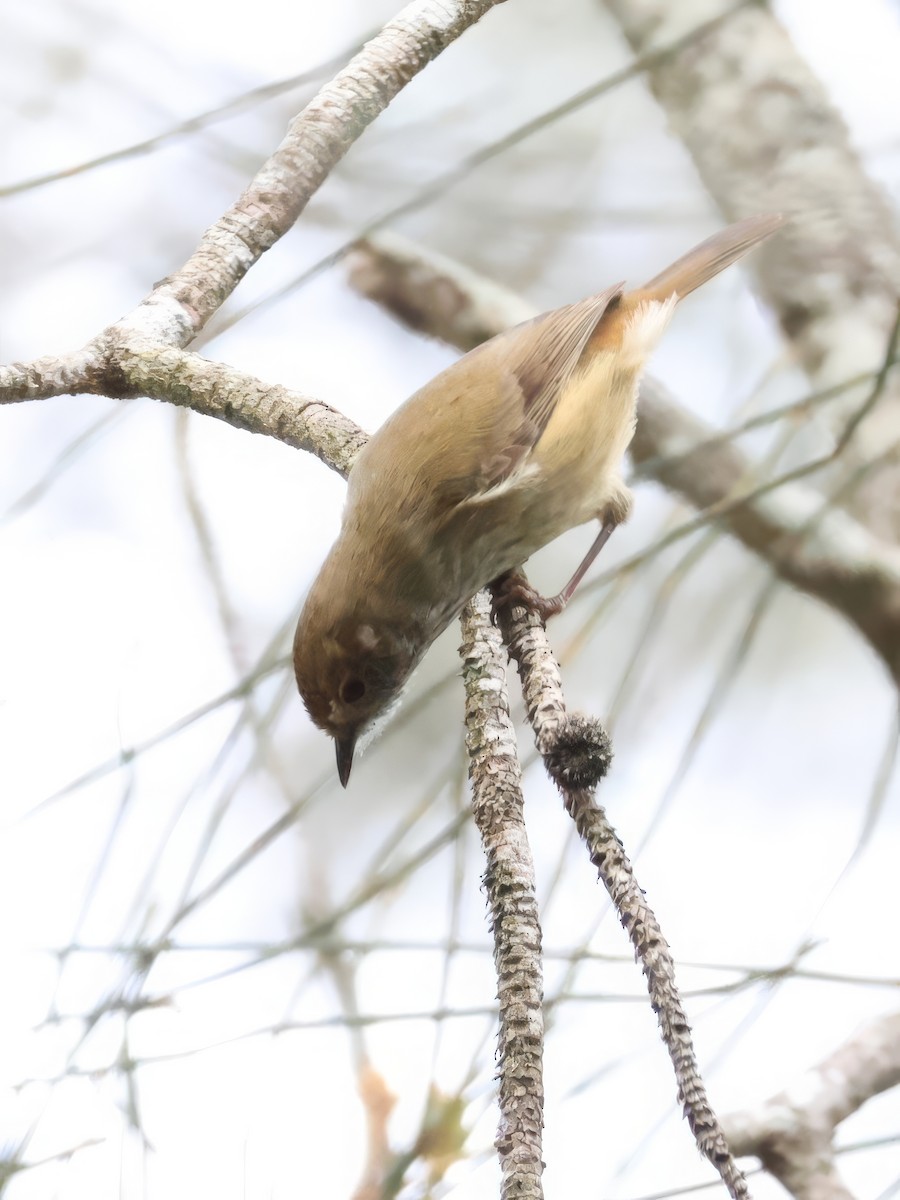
344, 747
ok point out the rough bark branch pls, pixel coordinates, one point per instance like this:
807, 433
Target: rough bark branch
245, 402
765, 137
52, 375
317, 139
792, 1133
509, 882
577, 754
820, 550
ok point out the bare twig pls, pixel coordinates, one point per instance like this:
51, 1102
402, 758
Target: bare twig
178, 307
196, 124
577, 755
792, 1133
509, 881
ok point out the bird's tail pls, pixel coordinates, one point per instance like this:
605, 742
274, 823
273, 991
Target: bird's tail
711, 257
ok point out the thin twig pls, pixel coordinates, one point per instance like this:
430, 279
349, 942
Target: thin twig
577, 755
509, 882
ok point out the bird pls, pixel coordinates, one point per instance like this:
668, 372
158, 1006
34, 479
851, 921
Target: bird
518, 441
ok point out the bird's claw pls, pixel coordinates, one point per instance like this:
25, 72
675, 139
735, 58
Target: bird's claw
513, 589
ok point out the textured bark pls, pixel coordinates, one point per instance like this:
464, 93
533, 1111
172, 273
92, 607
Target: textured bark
245, 402
577, 754
792, 1133
509, 882
822, 551
765, 137
49, 376
317, 139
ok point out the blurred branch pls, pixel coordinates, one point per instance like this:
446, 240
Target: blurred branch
792, 1133
266, 951
851, 1148
11, 1165
824, 552
66, 458
837, 561
244, 687
833, 277
498, 808
196, 124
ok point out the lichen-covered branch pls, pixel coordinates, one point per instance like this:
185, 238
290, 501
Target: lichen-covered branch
143, 368
509, 882
576, 753
52, 375
245, 402
765, 137
316, 140
793, 1132
178, 307
824, 552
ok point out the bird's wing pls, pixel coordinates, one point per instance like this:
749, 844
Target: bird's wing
470, 431
543, 362
535, 362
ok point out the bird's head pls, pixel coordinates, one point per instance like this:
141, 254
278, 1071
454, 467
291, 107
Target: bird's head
350, 674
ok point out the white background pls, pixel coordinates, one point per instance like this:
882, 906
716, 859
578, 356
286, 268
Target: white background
111, 632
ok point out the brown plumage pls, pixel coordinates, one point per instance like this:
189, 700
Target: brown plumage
518, 441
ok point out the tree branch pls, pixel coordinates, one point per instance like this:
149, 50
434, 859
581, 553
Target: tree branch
792, 1133
832, 277
577, 754
245, 402
498, 809
52, 375
317, 139
820, 550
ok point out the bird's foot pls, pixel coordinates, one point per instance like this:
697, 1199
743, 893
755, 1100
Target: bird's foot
513, 589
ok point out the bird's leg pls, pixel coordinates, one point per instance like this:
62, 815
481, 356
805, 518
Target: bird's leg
559, 601
513, 588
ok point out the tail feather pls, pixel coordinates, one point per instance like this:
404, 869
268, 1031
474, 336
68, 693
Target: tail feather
710, 257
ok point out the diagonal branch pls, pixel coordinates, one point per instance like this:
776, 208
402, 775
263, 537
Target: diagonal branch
316, 141
832, 279
178, 307
195, 124
792, 1133
822, 551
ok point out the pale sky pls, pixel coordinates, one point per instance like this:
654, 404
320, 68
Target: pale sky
112, 633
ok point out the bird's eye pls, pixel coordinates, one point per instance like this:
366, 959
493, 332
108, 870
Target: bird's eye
352, 689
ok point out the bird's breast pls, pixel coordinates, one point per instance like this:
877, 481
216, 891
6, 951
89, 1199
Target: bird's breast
580, 453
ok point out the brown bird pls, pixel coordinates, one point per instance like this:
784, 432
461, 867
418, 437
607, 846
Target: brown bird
518, 441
